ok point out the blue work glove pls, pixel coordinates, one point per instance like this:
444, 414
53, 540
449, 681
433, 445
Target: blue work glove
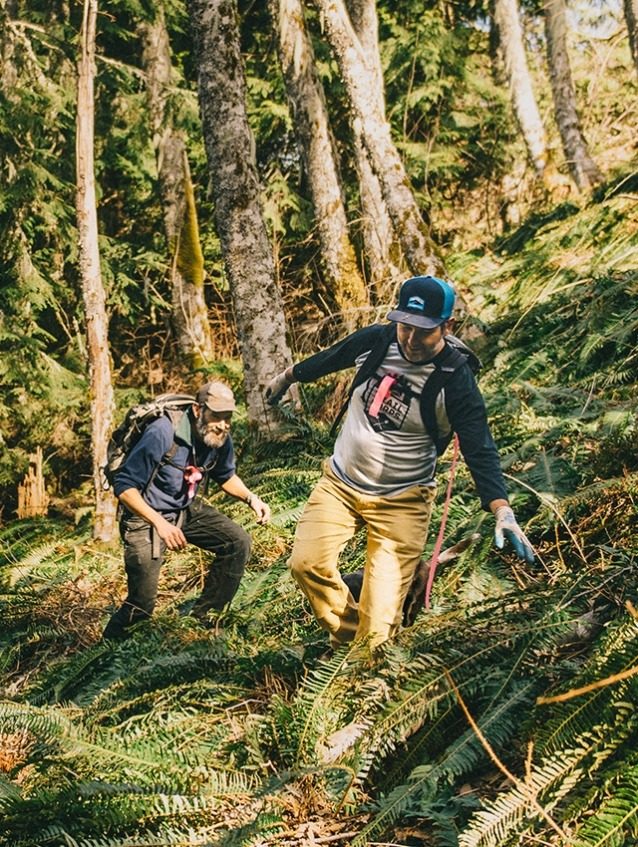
507, 527
278, 386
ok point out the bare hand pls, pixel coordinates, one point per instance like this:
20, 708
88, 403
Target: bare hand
261, 509
171, 535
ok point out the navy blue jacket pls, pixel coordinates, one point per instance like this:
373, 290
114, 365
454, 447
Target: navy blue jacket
168, 492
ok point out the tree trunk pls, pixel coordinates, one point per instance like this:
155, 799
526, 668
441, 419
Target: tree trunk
9, 75
100, 388
359, 78
342, 276
510, 38
631, 17
382, 250
190, 315
240, 225
582, 168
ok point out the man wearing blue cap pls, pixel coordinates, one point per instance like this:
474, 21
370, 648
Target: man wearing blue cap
414, 387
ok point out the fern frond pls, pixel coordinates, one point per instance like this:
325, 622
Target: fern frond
615, 821
549, 783
466, 752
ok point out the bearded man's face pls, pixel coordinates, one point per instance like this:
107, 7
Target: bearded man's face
213, 428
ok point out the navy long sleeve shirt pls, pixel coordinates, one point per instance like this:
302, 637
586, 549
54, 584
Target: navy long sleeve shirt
464, 406
168, 490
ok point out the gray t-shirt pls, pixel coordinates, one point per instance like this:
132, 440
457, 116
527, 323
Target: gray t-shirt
383, 447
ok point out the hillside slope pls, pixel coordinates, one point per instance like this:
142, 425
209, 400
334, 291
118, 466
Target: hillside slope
249, 735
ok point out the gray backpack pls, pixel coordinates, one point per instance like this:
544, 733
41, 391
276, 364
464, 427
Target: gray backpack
129, 432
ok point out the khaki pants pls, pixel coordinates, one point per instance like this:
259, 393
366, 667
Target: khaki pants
397, 528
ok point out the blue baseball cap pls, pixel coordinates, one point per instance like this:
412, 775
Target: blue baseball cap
424, 301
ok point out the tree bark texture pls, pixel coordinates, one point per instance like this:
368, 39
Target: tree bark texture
100, 388
582, 168
342, 278
8, 76
631, 18
190, 314
359, 78
240, 225
382, 249
510, 38
17, 57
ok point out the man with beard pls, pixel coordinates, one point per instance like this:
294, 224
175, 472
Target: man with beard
413, 389
157, 486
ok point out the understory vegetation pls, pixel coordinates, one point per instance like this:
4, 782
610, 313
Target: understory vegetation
505, 715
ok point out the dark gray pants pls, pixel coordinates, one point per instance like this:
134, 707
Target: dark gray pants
144, 551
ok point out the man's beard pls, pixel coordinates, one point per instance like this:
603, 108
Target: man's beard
211, 434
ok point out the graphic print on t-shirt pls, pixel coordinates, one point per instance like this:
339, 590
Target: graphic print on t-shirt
393, 409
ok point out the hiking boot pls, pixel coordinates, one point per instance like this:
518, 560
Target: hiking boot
414, 599
206, 615
114, 631
354, 581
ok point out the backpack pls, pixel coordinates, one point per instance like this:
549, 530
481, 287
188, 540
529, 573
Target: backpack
129, 432
457, 354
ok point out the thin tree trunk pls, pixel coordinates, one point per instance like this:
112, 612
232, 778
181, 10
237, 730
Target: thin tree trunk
342, 276
383, 252
631, 18
240, 225
510, 37
582, 168
190, 314
9, 75
359, 78
100, 388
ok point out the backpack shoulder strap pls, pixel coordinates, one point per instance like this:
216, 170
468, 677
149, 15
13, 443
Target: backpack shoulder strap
175, 416
442, 374
368, 368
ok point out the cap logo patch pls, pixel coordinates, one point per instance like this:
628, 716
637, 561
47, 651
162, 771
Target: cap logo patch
416, 303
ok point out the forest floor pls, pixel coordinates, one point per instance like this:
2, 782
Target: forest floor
247, 733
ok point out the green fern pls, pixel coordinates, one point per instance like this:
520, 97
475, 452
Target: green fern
460, 758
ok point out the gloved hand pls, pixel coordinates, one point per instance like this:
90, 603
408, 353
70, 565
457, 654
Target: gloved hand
507, 527
278, 386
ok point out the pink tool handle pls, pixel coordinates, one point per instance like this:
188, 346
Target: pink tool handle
382, 392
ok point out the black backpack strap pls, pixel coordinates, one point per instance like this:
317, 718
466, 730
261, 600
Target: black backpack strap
368, 368
442, 374
206, 469
175, 416
165, 460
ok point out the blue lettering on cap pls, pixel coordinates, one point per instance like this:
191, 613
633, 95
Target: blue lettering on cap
416, 303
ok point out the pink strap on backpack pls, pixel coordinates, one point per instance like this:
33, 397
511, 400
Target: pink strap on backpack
439, 540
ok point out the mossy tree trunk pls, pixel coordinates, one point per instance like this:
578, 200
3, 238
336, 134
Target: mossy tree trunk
582, 168
383, 252
359, 78
190, 315
342, 276
240, 225
100, 385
